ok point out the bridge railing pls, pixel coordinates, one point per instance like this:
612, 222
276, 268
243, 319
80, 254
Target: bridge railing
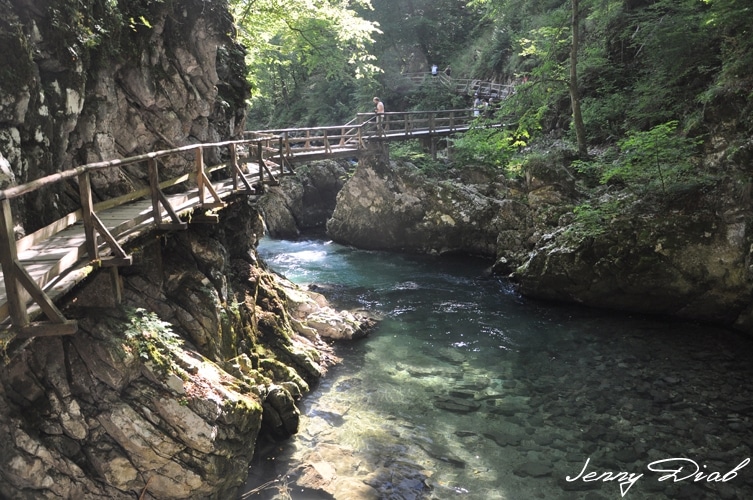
467, 86
310, 142
21, 288
325, 139
414, 123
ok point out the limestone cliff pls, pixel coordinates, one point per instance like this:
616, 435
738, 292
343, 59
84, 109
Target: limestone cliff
164, 395
97, 80
168, 392
392, 206
689, 257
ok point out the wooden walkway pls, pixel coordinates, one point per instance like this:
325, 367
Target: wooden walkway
464, 86
45, 265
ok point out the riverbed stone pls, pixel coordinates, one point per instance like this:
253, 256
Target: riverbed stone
533, 469
458, 405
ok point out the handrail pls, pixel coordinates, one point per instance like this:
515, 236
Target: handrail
273, 151
467, 86
20, 286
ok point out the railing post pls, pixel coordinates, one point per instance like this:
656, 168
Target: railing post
234, 165
85, 194
154, 190
199, 160
282, 158
17, 297
260, 150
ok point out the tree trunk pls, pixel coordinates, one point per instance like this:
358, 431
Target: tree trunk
580, 128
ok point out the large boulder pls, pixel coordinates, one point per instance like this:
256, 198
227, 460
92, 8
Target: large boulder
303, 201
393, 206
691, 263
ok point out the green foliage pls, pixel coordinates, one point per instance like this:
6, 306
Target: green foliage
640, 64
297, 50
592, 219
152, 338
435, 29
413, 152
486, 146
654, 160
75, 28
434, 95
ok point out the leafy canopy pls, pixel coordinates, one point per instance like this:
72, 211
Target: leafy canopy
292, 42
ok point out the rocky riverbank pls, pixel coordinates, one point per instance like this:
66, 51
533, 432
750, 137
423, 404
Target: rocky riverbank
688, 257
168, 392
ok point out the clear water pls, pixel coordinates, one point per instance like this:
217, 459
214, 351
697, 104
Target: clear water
467, 390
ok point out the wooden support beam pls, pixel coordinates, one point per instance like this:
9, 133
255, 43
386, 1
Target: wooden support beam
37, 294
167, 226
117, 284
109, 238
205, 219
170, 211
208, 185
45, 329
8, 259
116, 261
200, 177
234, 168
159, 200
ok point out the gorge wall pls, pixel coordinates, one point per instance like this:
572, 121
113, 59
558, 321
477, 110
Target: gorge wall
91, 81
166, 394
691, 260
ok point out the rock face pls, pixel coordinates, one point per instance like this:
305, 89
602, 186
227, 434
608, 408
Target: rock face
691, 259
304, 201
389, 206
167, 393
689, 263
109, 81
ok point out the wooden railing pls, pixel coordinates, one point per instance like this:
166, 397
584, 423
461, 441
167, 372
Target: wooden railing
299, 141
466, 86
297, 144
102, 245
272, 151
409, 124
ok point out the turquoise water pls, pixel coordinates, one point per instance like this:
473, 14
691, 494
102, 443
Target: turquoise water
467, 390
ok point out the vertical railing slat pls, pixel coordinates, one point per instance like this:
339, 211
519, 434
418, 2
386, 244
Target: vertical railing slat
85, 194
17, 297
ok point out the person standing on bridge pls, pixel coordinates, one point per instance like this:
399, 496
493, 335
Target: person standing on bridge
379, 110
434, 70
477, 105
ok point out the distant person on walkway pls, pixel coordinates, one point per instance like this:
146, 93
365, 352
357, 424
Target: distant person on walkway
448, 71
379, 110
477, 104
434, 70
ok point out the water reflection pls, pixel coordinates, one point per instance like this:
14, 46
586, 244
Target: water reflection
466, 390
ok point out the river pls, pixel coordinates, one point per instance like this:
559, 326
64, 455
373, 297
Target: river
467, 390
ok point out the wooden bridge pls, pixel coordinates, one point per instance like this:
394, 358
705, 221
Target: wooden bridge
464, 86
42, 266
